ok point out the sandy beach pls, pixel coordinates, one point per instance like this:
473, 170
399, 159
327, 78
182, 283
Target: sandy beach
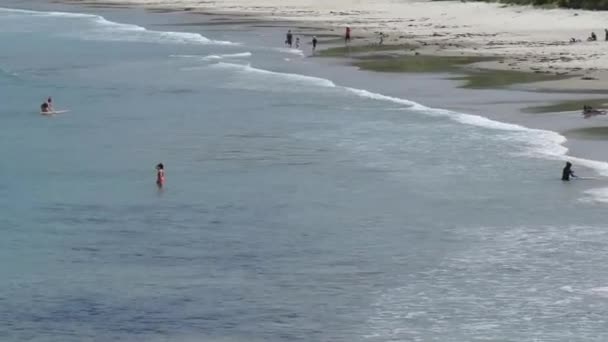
524, 38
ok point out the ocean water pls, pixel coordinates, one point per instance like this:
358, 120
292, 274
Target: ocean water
296, 208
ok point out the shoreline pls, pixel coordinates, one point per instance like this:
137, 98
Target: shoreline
569, 123
522, 38
432, 28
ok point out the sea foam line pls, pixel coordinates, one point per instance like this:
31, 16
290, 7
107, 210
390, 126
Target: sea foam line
111, 30
247, 68
215, 57
541, 143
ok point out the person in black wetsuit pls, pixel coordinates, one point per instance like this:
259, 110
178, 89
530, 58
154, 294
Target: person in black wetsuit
567, 172
289, 38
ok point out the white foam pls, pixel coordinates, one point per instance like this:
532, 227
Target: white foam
113, 31
310, 80
216, 57
599, 195
541, 143
599, 291
290, 51
45, 14
380, 97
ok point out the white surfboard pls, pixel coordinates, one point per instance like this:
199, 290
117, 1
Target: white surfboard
55, 112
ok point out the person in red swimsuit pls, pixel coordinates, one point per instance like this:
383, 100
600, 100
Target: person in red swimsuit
160, 175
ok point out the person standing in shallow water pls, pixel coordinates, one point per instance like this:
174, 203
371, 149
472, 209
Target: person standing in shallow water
289, 38
347, 35
567, 172
160, 175
314, 44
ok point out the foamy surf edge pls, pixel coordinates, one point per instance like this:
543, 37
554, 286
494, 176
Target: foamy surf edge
539, 143
111, 31
239, 55
290, 51
311, 80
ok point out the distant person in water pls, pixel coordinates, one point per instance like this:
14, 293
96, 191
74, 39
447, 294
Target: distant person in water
160, 175
314, 44
589, 111
567, 172
297, 42
592, 37
44, 108
289, 38
47, 106
347, 35
606, 35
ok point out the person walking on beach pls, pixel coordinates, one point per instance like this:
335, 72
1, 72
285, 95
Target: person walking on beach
297, 42
606, 35
160, 175
347, 35
314, 44
567, 172
289, 38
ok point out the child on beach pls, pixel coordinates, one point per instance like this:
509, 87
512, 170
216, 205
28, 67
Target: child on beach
160, 175
314, 44
297, 42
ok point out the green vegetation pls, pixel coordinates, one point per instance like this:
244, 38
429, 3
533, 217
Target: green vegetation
345, 51
567, 106
589, 133
481, 79
475, 79
577, 4
417, 63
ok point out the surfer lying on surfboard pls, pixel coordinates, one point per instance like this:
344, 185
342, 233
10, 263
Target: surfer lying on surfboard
588, 112
47, 106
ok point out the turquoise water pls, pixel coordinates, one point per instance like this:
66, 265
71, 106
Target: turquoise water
296, 208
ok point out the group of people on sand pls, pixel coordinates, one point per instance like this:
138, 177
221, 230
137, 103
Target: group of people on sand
592, 37
290, 42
